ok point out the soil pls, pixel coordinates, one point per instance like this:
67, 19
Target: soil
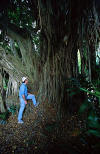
42, 133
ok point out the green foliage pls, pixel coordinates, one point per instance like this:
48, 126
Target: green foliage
94, 93
6, 46
93, 109
12, 109
86, 105
91, 105
20, 14
4, 116
5, 82
94, 132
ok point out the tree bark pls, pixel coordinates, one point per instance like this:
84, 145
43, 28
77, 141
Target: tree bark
93, 61
60, 51
24, 41
2, 106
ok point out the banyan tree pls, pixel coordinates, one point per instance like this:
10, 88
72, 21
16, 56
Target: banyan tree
41, 39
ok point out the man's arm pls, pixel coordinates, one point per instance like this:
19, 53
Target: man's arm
24, 99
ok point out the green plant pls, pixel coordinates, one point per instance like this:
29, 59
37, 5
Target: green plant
91, 105
12, 109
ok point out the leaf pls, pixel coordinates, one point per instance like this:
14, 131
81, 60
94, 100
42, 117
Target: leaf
91, 93
93, 132
83, 107
93, 120
72, 93
97, 93
94, 124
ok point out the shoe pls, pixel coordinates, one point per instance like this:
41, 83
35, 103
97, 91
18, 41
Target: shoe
20, 122
36, 104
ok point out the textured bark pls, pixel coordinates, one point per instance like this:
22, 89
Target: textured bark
24, 41
2, 106
93, 61
60, 52
11, 65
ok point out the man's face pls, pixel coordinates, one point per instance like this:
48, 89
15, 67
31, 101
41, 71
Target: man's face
26, 81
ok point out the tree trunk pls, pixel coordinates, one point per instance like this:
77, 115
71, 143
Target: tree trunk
2, 106
93, 61
60, 58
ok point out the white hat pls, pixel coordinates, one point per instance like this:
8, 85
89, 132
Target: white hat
24, 78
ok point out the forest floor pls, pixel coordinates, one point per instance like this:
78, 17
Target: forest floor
42, 133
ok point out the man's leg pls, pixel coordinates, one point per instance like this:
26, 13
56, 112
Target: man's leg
30, 96
22, 107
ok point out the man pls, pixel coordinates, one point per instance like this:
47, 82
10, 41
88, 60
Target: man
24, 96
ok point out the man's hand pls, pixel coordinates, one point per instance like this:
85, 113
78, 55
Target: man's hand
25, 102
24, 99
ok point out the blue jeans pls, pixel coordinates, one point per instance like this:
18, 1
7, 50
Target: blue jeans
30, 96
22, 105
